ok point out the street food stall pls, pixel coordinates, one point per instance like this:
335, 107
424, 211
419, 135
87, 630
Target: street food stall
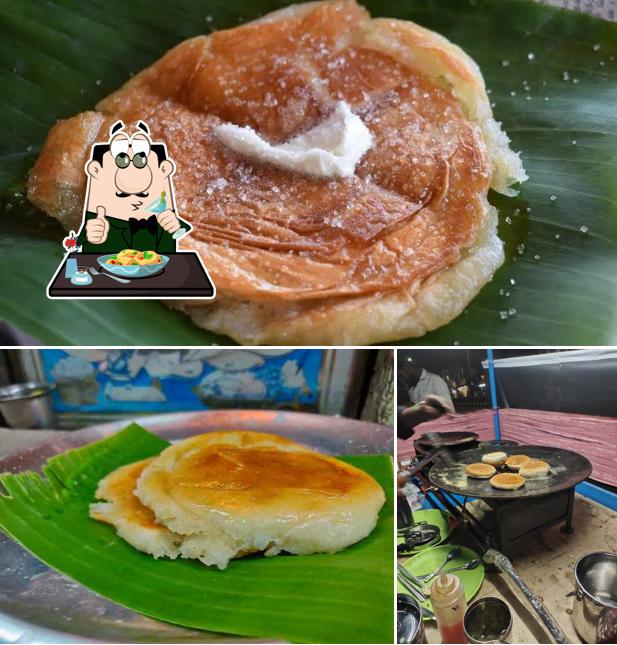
535, 555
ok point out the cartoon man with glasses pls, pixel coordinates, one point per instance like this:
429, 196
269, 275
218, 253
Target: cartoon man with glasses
129, 201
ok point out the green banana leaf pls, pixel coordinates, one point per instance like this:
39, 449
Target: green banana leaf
345, 597
553, 80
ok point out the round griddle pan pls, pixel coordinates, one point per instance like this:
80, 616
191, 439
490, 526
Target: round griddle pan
567, 469
441, 439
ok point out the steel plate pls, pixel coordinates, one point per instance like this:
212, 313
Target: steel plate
567, 469
38, 604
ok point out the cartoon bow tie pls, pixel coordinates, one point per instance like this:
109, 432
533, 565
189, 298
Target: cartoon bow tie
137, 224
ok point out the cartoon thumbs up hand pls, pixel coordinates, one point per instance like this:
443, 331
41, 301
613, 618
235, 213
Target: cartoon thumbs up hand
98, 228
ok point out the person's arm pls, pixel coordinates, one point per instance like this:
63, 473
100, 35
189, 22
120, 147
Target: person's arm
432, 407
441, 389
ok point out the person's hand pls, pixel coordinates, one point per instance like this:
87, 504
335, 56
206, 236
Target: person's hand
432, 407
97, 228
168, 221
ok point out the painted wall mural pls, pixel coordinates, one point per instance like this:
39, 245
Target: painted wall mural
145, 380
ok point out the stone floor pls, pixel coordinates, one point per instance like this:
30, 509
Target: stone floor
546, 562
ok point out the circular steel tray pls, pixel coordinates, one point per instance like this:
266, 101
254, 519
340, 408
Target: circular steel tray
38, 604
567, 469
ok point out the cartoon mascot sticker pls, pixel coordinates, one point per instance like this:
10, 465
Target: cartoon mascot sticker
126, 246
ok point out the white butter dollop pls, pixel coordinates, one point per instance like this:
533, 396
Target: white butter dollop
330, 149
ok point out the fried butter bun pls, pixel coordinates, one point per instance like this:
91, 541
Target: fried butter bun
235, 493
534, 468
507, 481
496, 459
394, 251
480, 471
516, 461
134, 522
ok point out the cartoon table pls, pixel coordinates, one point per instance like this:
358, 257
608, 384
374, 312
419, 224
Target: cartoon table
183, 277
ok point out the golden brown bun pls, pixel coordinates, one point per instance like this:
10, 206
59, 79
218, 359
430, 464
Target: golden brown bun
534, 468
480, 471
264, 296
134, 522
236, 493
420, 308
507, 481
495, 458
516, 461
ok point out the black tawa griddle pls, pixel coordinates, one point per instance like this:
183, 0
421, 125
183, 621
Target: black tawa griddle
510, 516
454, 441
567, 469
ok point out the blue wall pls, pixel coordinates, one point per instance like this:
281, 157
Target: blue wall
130, 380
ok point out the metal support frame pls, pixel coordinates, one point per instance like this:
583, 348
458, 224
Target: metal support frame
506, 512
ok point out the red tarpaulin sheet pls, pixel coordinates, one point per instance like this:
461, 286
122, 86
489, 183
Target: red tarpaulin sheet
593, 437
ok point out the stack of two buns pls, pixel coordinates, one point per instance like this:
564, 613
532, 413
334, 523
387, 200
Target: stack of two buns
223, 495
527, 467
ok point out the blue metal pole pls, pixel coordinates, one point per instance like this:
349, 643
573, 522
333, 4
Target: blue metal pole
491, 380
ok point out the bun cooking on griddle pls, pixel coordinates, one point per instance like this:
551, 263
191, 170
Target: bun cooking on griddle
495, 458
507, 481
534, 468
480, 471
516, 461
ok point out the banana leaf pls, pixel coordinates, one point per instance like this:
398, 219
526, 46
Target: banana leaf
345, 597
553, 79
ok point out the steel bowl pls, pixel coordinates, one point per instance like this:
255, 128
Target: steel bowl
488, 620
27, 405
409, 623
594, 614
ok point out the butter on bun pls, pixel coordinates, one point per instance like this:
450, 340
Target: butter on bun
507, 481
516, 461
230, 494
480, 471
534, 468
494, 458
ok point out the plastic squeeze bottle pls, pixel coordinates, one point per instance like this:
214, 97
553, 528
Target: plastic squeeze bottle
449, 606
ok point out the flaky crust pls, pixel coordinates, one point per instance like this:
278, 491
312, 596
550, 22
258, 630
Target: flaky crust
365, 319
359, 321
446, 63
